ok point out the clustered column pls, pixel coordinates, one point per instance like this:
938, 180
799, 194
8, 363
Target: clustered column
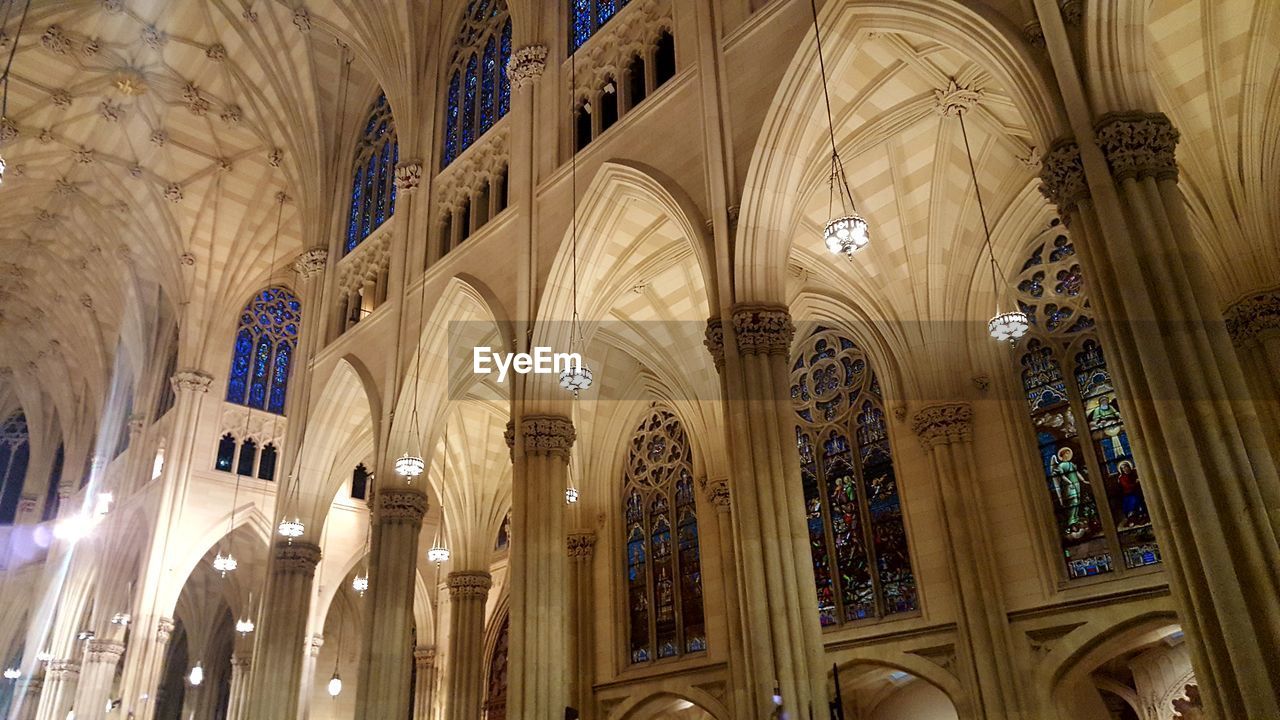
60, 679
581, 545
238, 697
1254, 326
31, 699
945, 431
719, 495
97, 675
424, 659
385, 690
468, 592
1209, 477
282, 632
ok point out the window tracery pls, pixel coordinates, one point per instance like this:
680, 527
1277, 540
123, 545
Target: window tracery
861, 561
263, 350
479, 93
373, 187
663, 566
1089, 469
588, 16
15, 451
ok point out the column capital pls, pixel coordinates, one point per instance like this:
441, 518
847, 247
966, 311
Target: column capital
1139, 145
401, 505
717, 492
408, 175
297, 557
1253, 315
424, 655
1062, 180
311, 262
27, 505
943, 424
191, 380
99, 651
62, 670
136, 423
242, 660
543, 435
581, 543
469, 584
713, 341
314, 643
763, 329
164, 630
526, 65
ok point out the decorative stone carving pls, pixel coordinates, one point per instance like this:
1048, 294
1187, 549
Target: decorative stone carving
402, 505
302, 19
282, 197
62, 670
159, 137
26, 505
1072, 11
216, 52
232, 115
91, 47
408, 175
311, 262
1062, 177
526, 65
955, 99
173, 193
469, 584
548, 435
61, 98
1252, 316
164, 630
103, 651
86, 301
943, 424
8, 131
581, 543
763, 329
297, 557
153, 38
136, 170
424, 656
191, 381
717, 492
55, 40
65, 188
1190, 706
275, 157
314, 643
1034, 35
1139, 145
244, 661
113, 7
83, 156
713, 341
196, 103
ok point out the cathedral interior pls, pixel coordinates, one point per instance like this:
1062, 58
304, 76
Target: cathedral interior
640, 359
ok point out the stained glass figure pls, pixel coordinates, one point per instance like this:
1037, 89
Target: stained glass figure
663, 566
1093, 481
495, 704
588, 16
373, 187
263, 350
479, 93
15, 452
861, 562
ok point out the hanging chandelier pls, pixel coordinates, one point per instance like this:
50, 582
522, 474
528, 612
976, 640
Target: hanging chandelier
291, 529
410, 466
1004, 326
197, 675
571, 495
576, 376
244, 626
438, 554
335, 685
846, 232
12, 673
360, 583
225, 563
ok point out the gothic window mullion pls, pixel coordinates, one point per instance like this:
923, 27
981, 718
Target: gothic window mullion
677, 599
868, 527
833, 557
651, 592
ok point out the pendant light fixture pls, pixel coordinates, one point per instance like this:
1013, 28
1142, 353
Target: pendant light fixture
360, 583
291, 528
571, 493
1004, 326
6, 126
245, 625
227, 563
576, 376
196, 677
846, 232
335, 682
438, 553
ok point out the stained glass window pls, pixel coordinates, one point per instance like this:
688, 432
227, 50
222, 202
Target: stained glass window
263, 350
495, 704
588, 16
15, 449
360, 482
479, 93
861, 562
503, 541
1100, 513
663, 566
373, 187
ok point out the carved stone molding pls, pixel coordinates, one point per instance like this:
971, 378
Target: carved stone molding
526, 65
713, 341
1072, 11
103, 651
190, 380
943, 424
955, 99
62, 670
717, 492
1253, 316
164, 630
469, 584
1034, 35
580, 543
297, 557
763, 329
1139, 145
311, 262
424, 656
244, 661
27, 505
314, 643
547, 435
1062, 177
402, 506
408, 175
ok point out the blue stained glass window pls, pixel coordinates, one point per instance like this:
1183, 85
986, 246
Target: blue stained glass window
479, 93
588, 16
451, 121
469, 102
373, 175
263, 350
663, 567
861, 563
487, 91
605, 10
504, 84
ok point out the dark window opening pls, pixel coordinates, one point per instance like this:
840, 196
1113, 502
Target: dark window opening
226, 453
267, 464
664, 60
360, 482
248, 454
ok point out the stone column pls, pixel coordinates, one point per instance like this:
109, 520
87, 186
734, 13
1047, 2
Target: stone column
276, 677
97, 676
307, 691
59, 692
718, 493
538, 668
945, 431
424, 659
387, 649
30, 699
237, 700
1254, 326
468, 592
582, 634
1209, 477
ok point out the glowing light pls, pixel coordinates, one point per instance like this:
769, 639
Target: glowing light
335, 685
360, 583
121, 619
409, 466
12, 673
1009, 327
576, 378
571, 495
438, 554
846, 235
225, 563
73, 529
2, 167
291, 529
244, 626
197, 675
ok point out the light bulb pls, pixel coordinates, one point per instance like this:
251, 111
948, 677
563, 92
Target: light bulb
847, 234
197, 675
1009, 327
360, 583
335, 685
409, 466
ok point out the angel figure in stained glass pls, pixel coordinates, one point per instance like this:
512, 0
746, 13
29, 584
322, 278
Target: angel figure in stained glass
1070, 488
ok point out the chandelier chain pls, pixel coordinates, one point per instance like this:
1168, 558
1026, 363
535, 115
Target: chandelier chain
996, 272
13, 51
839, 182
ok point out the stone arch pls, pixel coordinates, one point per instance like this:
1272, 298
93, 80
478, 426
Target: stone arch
893, 662
670, 694
345, 412
249, 521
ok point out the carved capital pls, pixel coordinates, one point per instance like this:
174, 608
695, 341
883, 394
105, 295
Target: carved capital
424, 656
402, 506
1062, 180
103, 651
581, 543
943, 424
713, 341
526, 65
955, 99
190, 380
62, 670
717, 492
547, 435
297, 557
242, 662
313, 645
27, 505
1139, 145
164, 630
136, 423
1072, 11
473, 584
311, 262
1252, 316
408, 175
763, 329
